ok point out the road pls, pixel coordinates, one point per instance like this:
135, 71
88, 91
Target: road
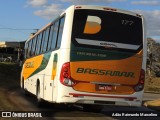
63, 112
151, 96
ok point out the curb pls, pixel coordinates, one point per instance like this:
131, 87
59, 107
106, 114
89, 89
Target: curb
154, 107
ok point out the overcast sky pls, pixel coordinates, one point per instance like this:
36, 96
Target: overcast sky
18, 18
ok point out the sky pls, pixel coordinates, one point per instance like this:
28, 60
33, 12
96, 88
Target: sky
19, 18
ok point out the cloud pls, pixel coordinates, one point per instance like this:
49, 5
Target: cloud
152, 21
37, 3
49, 11
91, 1
145, 2
46, 10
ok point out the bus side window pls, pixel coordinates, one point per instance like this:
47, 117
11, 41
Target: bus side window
36, 43
39, 39
46, 40
33, 46
60, 32
50, 37
26, 49
43, 41
37, 46
29, 48
55, 32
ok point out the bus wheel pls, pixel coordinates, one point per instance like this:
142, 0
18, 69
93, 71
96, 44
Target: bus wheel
25, 92
39, 99
22, 83
92, 108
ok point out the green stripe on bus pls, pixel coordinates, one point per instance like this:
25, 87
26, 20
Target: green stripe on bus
89, 54
43, 65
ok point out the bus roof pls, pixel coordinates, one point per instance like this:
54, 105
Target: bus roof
93, 7
106, 8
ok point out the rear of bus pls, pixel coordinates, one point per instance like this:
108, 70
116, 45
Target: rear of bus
107, 63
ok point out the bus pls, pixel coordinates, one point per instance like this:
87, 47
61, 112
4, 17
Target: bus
90, 56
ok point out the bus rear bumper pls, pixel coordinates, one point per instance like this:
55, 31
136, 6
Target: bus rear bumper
120, 100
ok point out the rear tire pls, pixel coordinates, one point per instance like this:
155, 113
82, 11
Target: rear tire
92, 108
22, 84
25, 92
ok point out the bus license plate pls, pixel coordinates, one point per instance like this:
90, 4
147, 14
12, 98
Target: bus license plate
103, 87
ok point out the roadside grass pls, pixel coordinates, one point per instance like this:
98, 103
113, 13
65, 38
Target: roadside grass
9, 75
152, 85
12, 68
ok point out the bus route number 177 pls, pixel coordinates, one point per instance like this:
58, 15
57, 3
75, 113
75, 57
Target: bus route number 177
127, 22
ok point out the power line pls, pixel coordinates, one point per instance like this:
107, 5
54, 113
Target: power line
18, 29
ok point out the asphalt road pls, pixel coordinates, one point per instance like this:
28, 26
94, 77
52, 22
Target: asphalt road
151, 96
63, 112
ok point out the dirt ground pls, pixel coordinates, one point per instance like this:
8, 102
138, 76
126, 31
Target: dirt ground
9, 78
155, 104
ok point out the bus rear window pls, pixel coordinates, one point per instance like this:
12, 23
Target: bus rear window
105, 29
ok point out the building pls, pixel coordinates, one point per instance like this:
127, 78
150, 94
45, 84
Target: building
12, 44
11, 49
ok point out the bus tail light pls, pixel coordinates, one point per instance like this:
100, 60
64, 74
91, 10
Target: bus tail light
140, 84
138, 15
78, 7
110, 9
65, 76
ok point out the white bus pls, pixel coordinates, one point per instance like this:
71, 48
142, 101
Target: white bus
89, 55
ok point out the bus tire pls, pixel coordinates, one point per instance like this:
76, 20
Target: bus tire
92, 108
40, 101
25, 92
